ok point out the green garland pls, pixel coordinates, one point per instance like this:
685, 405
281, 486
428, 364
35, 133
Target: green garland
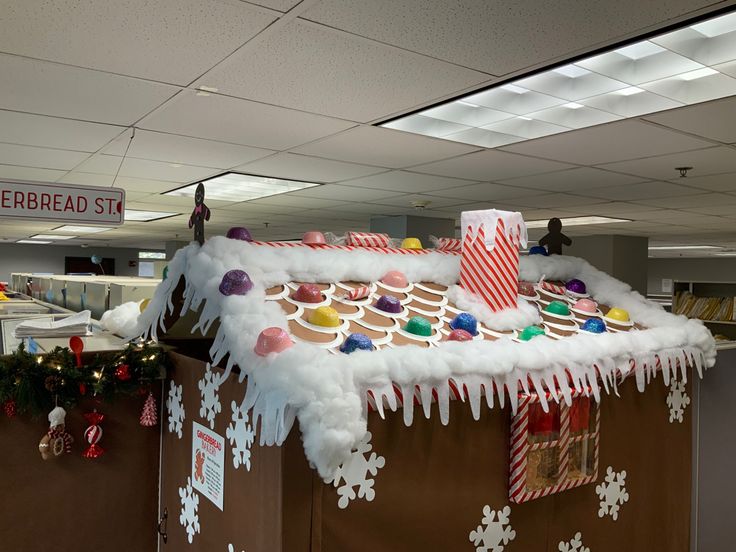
38, 382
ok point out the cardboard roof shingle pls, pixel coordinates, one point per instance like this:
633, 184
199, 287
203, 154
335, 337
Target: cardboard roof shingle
330, 392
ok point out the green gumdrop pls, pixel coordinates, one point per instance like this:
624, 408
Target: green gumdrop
166, 271
557, 307
529, 332
419, 326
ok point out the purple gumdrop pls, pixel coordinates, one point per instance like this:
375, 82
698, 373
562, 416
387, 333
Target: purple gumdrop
576, 286
389, 303
239, 233
235, 282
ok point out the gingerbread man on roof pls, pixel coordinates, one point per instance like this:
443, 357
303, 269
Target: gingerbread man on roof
200, 214
555, 239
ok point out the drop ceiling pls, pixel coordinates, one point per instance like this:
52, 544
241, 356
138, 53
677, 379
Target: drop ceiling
289, 89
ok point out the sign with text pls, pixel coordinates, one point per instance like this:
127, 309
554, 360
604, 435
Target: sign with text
61, 202
208, 463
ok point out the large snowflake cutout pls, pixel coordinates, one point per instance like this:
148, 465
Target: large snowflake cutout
231, 548
189, 518
495, 532
355, 472
241, 436
612, 493
677, 400
175, 409
208, 389
575, 545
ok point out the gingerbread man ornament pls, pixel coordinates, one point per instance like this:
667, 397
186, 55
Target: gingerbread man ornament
200, 214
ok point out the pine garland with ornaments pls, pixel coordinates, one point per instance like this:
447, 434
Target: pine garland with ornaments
33, 384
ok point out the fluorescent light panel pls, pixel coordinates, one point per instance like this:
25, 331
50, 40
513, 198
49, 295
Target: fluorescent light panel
146, 216
679, 247
72, 229
663, 72
52, 237
576, 221
34, 242
242, 187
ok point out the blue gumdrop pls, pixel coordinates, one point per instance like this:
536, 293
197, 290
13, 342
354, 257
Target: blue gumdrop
465, 321
594, 325
538, 250
356, 341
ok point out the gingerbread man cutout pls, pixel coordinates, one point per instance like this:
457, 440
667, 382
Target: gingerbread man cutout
555, 239
200, 214
199, 466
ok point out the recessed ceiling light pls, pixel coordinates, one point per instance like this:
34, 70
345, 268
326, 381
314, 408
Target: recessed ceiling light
146, 216
72, 229
640, 50
576, 221
34, 242
242, 187
524, 118
469, 104
698, 74
678, 247
572, 71
513, 88
573, 105
717, 27
629, 91
175, 165
726, 254
209, 88
52, 237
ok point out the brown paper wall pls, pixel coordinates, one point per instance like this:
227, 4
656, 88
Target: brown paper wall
73, 504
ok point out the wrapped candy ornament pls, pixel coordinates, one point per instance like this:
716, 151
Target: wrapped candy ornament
93, 434
56, 441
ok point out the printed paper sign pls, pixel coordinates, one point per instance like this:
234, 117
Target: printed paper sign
61, 202
208, 463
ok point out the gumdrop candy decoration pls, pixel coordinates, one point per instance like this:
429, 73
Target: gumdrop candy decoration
356, 341
93, 434
324, 316
557, 307
313, 238
594, 325
576, 286
411, 243
418, 325
585, 305
538, 250
465, 321
620, 315
235, 282
530, 332
56, 441
272, 340
149, 416
308, 293
239, 233
395, 279
459, 335
200, 214
389, 303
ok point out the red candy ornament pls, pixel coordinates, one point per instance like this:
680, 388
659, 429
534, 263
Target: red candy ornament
10, 408
122, 372
93, 434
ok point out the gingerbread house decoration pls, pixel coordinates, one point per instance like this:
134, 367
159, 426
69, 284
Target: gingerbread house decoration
412, 383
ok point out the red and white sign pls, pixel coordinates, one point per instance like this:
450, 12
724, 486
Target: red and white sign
61, 202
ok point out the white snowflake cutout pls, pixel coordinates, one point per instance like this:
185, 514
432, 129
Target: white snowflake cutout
355, 472
495, 530
241, 436
175, 409
612, 493
189, 518
677, 400
574, 545
208, 389
231, 548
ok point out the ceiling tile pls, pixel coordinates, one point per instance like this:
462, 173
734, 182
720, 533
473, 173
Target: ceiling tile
157, 146
490, 165
727, 209
169, 40
485, 191
280, 5
240, 122
579, 179
689, 201
321, 70
435, 202
346, 193
642, 191
383, 147
617, 209
303, 167
715, 120
616, 141
552, 201
716, 183
290, 200
13, 172
704, 162
63, 91
53, 132
408, 182
45, 158
145, 169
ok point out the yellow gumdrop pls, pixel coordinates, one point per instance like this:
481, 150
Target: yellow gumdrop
144, 304
411, 243
618, 314
324, 316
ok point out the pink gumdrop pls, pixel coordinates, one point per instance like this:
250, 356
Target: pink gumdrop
394, 278
585, 305
459, 335
272, 340
308, 293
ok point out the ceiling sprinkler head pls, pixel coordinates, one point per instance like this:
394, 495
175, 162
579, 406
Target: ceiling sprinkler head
420, 205
683, 171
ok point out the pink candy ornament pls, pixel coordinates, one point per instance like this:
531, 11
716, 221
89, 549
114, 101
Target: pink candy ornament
459, 335
314, 238
586, 305
395, 279
272, 340
308, 293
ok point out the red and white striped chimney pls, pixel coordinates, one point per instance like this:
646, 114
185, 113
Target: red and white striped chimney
489, 265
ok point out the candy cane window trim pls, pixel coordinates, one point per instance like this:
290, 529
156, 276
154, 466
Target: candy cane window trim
529, 477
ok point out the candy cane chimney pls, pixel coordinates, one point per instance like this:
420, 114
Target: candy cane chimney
489, 265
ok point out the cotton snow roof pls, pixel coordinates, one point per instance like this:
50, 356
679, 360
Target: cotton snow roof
331, 392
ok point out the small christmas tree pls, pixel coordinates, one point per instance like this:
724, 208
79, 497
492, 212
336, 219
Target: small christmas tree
149, 417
